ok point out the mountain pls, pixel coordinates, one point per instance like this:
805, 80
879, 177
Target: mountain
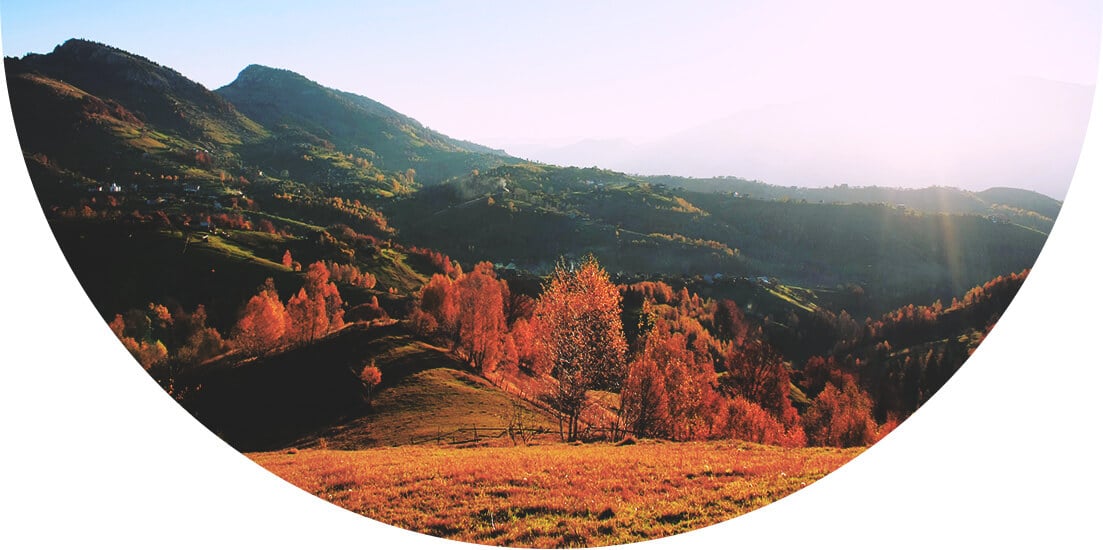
289, 102
157, 95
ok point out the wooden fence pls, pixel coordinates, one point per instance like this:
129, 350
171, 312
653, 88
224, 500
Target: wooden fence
474, 434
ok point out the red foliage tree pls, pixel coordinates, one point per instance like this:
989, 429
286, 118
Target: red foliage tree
579, 327
644, 405
748, 421
840, 418
758, 373
263, 322
729, 322
371, 377
688, 388
527, 346
316, 309
481, 316
438, 300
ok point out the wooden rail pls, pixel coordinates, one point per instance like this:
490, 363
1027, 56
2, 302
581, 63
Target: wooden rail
474, 434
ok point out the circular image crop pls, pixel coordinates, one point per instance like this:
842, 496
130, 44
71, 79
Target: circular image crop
547, 275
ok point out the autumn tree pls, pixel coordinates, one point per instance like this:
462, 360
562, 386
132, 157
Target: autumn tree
579, 327
840, 418
287, 261
518, 306
644, 405
758, 373
728, 322
746, 420
371, 377
818, 372
529, 353
480, 316
263, 322
438, 301
670, 390
316, 309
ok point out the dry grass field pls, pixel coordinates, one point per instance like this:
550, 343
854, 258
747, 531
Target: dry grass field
555, 495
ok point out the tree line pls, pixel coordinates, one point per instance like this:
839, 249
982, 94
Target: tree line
695, 368
686, 368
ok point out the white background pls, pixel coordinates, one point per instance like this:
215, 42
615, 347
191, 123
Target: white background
92, 452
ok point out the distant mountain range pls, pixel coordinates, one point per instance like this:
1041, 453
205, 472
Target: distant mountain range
1021, 132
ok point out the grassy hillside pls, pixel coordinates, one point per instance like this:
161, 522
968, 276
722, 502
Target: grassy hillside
556, 495
432, 395
302, 396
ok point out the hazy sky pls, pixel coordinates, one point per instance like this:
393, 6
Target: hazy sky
547, 73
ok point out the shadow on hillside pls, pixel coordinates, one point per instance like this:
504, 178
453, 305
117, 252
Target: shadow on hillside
269, 402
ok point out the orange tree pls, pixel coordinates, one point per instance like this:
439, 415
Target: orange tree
371, 377
263, 322
580, 332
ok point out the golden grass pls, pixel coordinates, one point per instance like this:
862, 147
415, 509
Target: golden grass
430, 403
556, 495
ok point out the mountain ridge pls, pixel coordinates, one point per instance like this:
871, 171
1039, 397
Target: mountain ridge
161, 95
280, 98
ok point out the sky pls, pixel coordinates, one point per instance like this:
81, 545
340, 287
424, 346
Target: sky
537, 75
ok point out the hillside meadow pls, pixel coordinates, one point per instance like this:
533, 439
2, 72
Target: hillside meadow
555, 495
